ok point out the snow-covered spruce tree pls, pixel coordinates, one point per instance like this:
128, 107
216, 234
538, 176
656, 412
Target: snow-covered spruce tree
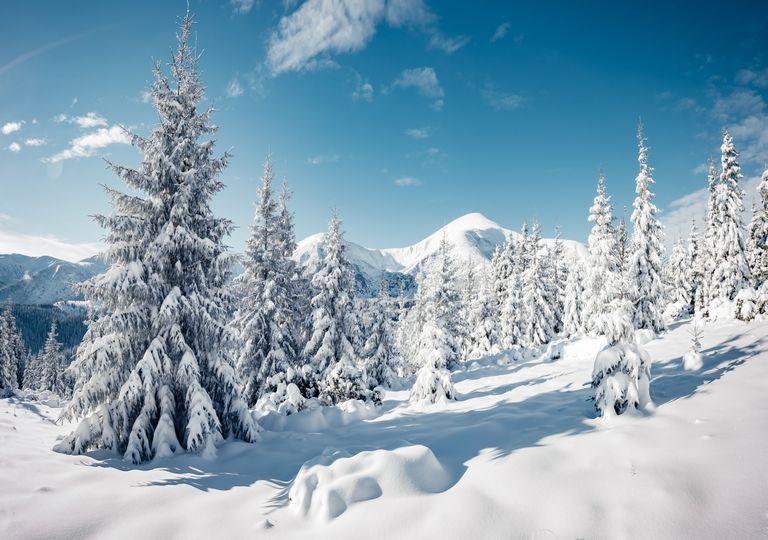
678, 280
506, 295
331, 371
757, 246
646, 289
693, 260
264, 321
602, 275
575, 298
154, 373
380, 353
483, 319
51, 365
537, 299
706, 260
438, 347
469, 292
511, 310
622, 372
622, 245
558, 274
730, 272
12, 351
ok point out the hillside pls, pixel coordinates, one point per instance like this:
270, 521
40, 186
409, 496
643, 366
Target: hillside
519, 455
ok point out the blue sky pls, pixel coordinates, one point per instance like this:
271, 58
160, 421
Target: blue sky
404, 114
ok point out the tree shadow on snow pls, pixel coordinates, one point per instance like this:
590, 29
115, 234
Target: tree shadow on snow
671, 381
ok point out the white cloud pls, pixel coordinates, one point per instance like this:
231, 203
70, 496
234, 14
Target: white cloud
757, 77
90, 120
241, 7
234, 89
14, 147
363, 91
86, 145
322, 159
5, 217
35, 142
448, 45
11, 127
424, 80
321, 27
745, 113
418, 133
501, 31
407, 181
146, 96
500, 100
37, 245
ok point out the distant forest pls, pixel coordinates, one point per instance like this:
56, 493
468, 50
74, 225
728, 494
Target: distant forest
34, 321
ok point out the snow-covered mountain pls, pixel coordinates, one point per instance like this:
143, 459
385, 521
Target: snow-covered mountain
473, 237
42, 280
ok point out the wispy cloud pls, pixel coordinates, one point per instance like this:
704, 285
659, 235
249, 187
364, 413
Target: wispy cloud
323, 27
407, 181
241, 7
35, 142
37, 245
22, 58
418, 133
234, 89
11, 127
323, 159
89, 120
753, 77
424, 80
14, 147
448, 45
88, 144
501, 100
363, 91
501, 31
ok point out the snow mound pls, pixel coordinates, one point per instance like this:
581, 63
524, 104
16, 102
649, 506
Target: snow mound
328, 485
315, 417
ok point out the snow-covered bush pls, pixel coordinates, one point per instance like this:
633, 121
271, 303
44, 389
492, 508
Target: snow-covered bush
692, 359
746, 304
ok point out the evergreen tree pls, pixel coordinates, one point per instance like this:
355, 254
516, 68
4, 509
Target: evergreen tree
483, 320
50, 366
506, 292
154, 372
12, 352
758, 235
622, 372
381, 358
265, 319
539, 315
603, 278
438, 348
575, 299
331, 373
644, 272
730, 272
559, 266
706, 260
622, 245
679, 281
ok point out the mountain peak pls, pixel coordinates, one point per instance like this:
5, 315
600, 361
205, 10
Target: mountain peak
472, 221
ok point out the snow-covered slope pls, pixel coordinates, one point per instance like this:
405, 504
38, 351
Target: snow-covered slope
42, 280
473, 237
519, 455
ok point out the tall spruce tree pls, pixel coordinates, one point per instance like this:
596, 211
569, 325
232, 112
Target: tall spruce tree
265, 319
50, 366
483, 319
603, 277
12, 351
758, 238
380, 365
644, 272
574, 302
438, 348
537, 299
331, 372
730, 272
154, 371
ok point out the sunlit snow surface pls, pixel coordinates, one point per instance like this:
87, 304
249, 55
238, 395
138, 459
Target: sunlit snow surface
518, 456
